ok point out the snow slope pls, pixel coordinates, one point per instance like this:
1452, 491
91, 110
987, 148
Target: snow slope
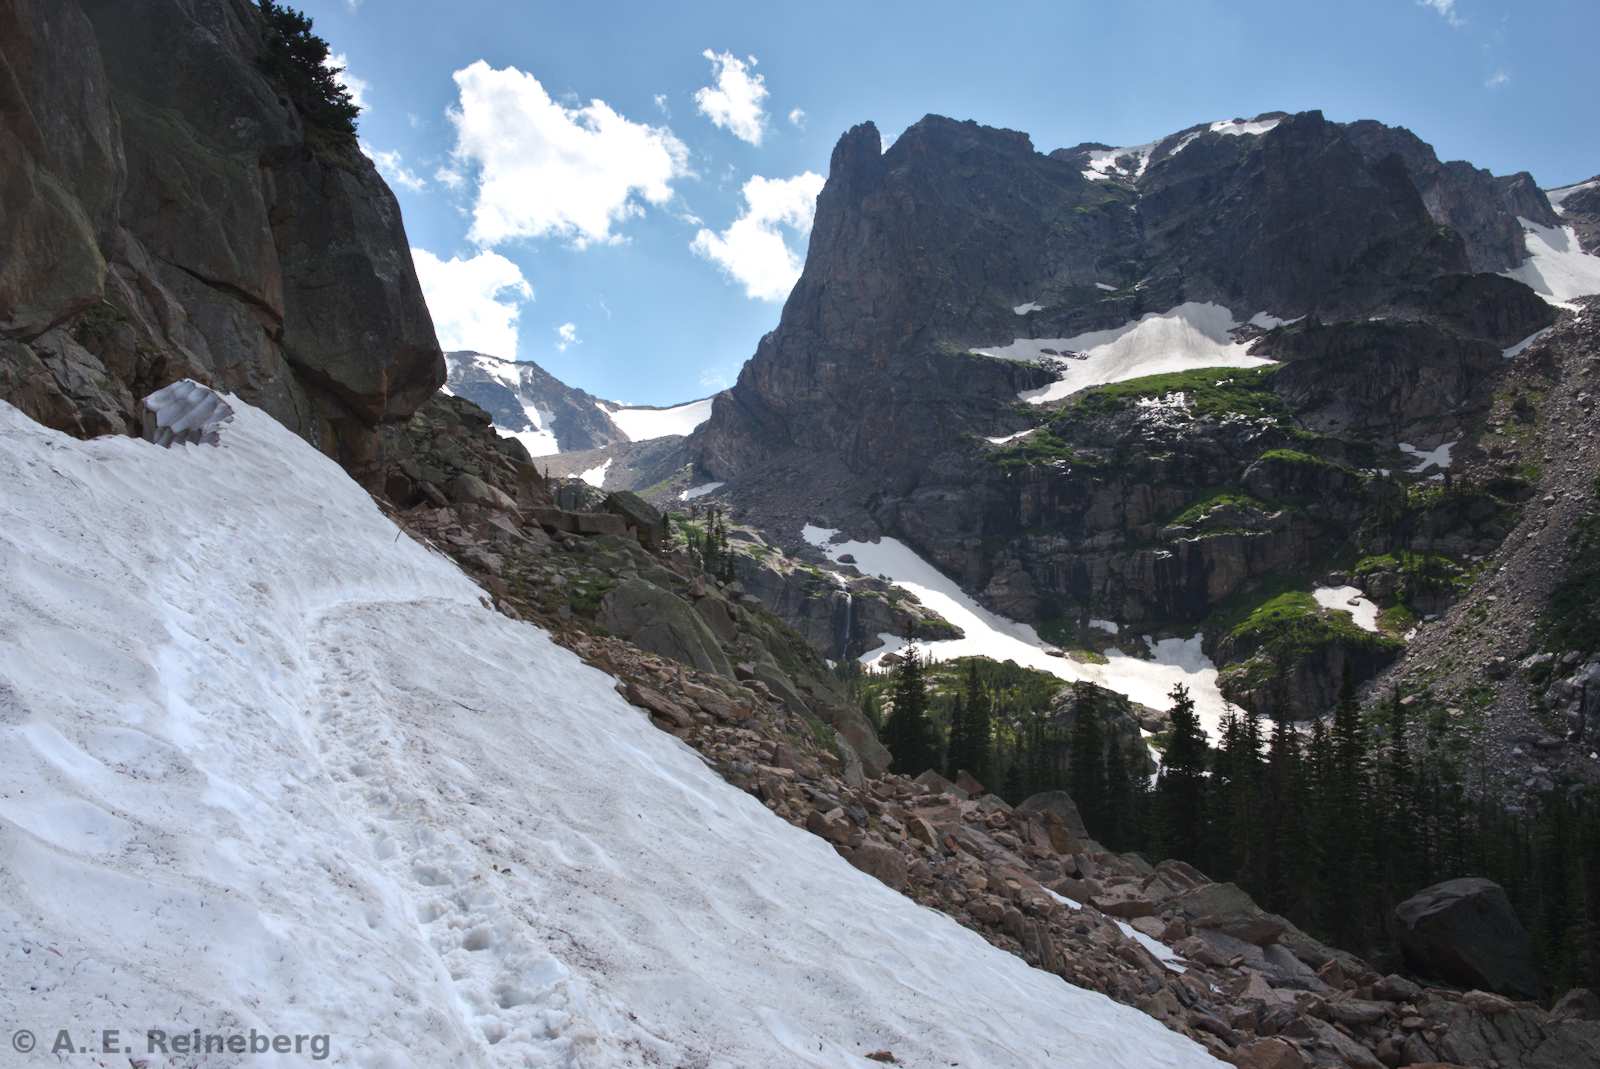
1103, 162
1192, 335
541, 441
988, 634
596, 476
1558, 196
1557, 268
266, 762
643, 424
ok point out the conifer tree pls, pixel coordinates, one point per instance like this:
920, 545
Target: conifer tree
1283, 852
907, 734
1119, 823
1397, 846
1347, 867
979, 727
1182, 786
1086, 777
957, 750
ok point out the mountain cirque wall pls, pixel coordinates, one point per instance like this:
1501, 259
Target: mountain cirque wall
963, 235
166, 212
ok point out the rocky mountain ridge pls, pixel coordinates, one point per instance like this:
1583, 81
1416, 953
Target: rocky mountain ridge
1345, 256
530, 404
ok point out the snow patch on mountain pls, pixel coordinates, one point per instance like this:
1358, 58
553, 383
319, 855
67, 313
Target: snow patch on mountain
1236, 128
1437, 457
1158, 950
270, 763
541, 440
1522, 346
1351, 600
700, 491
987, 634
1103, 162
1557, 268
596, 476
1558, 197
1192, 335
1031, 306
644, 424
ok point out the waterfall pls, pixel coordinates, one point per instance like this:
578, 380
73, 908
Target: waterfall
841, 643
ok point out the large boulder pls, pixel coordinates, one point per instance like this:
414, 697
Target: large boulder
1227, 908
1060, 804
661, 622
1465, 932
639, 514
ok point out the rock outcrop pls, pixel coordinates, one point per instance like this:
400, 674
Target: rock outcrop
1465, 932
169, 213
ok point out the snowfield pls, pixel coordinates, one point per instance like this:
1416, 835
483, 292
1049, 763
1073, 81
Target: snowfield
1192, 335
1557, 268
1522, 346
596, 476
1103, 162
643, 424
269, 763
1437, 457
1351, 600
987, 634
700, 491
1235, 128
1558, 196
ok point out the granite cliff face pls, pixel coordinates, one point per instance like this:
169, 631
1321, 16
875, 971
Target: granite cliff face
919, 253
1348, 255
168, 212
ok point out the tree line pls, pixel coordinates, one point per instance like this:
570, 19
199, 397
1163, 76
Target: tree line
1331, 825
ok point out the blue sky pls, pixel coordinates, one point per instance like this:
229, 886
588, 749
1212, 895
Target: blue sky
590, 188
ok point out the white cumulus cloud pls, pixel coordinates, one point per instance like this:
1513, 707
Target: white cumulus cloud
339, 63
1445, 8
393, 167
566, 335
753, 250
734, 103
475, 302
1497, 79
544, 169
797, 117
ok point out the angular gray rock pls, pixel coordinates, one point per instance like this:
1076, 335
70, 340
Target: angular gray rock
660, 621
186, 413
1465, 932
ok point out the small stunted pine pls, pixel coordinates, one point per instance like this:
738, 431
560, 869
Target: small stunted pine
297, 60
